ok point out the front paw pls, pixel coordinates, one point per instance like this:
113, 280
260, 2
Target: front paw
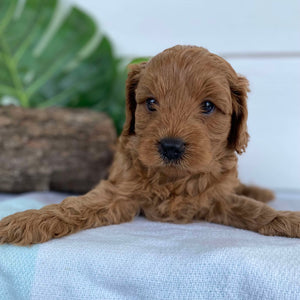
285, 224
31, 227
21, 228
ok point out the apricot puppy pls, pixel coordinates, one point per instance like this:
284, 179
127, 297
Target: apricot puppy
176, 159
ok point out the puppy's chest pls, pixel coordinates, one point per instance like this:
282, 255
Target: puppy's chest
187, 187
175, 201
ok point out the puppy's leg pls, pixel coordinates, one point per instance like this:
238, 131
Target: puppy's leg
257, 193
246, 213
102, 206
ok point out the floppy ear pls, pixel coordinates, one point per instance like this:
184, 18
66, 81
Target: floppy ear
131, 85
238, 136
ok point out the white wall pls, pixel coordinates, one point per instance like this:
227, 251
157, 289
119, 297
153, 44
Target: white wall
247, 33
147, 27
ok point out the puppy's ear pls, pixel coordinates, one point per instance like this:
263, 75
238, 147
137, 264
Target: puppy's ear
132, 81
238, 136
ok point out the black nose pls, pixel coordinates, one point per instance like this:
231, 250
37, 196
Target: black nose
171, 149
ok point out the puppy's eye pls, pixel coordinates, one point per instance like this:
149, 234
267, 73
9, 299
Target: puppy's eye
207, 107
150, 103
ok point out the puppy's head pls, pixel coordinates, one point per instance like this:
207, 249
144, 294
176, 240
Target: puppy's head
185, 109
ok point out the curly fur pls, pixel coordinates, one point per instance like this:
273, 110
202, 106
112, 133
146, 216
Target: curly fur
203, 185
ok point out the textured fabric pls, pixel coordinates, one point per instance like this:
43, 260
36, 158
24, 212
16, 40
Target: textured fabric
151, 260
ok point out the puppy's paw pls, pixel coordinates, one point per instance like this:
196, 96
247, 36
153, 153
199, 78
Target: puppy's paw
264, 195
255, 192
285, 224
31, 227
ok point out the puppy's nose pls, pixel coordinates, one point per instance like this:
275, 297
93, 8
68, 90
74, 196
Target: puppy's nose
171, 148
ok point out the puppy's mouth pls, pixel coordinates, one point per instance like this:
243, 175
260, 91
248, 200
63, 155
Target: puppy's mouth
178, 160
172, 153
172, 170
173, 156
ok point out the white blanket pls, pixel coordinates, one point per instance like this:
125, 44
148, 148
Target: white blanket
151, 260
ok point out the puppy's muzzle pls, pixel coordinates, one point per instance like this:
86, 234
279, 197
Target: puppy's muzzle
171, 149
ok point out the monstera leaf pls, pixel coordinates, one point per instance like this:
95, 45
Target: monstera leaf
54, 56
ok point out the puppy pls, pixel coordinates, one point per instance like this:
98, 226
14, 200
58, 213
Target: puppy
176, 159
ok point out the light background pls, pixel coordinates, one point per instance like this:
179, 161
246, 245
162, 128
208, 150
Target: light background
260, 38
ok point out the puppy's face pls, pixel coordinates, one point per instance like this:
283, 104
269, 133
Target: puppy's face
186, 107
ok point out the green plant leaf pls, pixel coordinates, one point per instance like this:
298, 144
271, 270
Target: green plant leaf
45, 58
139, 60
